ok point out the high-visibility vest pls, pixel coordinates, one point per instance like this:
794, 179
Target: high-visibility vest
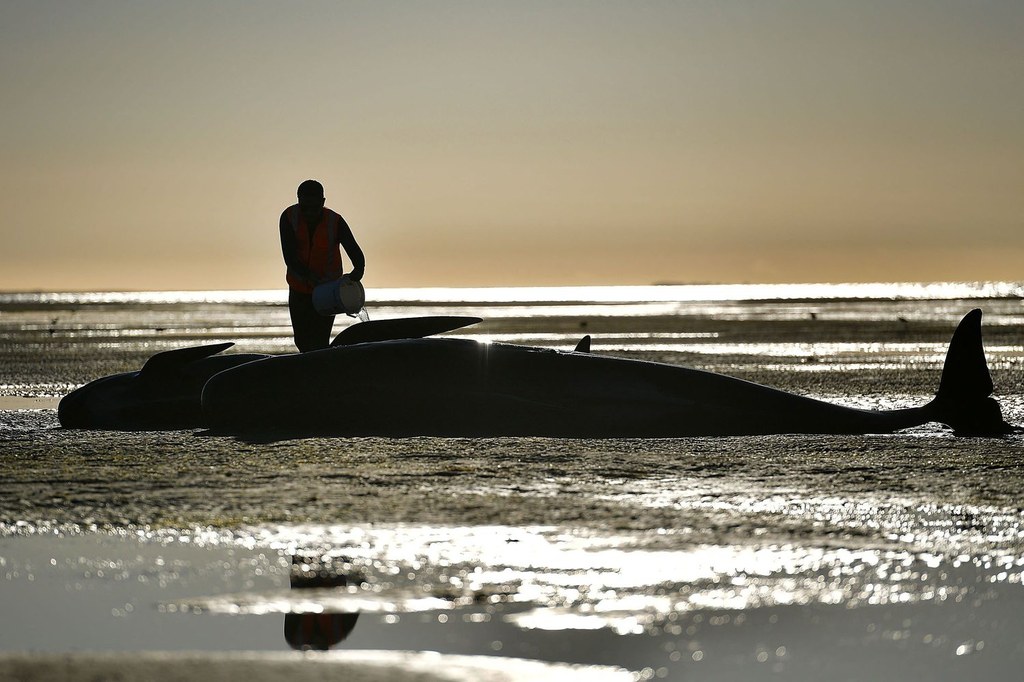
322, 254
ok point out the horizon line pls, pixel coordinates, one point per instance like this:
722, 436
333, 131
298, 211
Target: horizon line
665, 284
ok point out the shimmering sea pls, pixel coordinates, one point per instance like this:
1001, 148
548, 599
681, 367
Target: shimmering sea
887, 557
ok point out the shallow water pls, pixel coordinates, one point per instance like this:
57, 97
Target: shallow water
866, 557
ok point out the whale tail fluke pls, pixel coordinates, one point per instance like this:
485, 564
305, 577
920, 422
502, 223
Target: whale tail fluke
963, 400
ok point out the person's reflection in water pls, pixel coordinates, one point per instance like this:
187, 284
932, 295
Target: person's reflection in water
317, 631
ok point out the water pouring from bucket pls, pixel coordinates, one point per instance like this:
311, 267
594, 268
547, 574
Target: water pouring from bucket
343, 295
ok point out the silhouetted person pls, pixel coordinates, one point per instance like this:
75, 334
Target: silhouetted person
310, 239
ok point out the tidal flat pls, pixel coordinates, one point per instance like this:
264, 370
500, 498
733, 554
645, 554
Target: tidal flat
793, 557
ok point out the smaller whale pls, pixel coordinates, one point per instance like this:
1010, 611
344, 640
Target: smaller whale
163, 395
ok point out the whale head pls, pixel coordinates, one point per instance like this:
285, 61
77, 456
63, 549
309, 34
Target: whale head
164, 394
103, 403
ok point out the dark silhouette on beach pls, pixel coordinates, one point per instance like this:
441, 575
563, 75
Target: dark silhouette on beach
461, 387
311, 237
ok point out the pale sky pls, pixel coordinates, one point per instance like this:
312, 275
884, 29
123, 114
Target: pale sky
153, 144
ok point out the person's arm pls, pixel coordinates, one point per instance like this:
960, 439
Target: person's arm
290, 251
355, 254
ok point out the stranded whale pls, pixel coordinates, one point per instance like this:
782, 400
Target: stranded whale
390, 383
460, 387
163, 395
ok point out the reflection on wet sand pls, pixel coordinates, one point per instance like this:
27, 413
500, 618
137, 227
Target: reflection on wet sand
318, 630
686, 638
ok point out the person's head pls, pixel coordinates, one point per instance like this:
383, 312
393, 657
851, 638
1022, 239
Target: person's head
311, 199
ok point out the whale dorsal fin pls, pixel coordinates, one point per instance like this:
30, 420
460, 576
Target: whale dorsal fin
583, 346
171, 360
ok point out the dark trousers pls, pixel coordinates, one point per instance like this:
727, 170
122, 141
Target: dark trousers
312, 330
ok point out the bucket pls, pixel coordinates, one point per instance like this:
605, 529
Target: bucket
340, 296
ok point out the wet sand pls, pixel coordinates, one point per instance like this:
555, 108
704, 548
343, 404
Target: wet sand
13, 403
185, 479
257, 667
798, 552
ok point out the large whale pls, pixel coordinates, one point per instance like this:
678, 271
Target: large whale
461, 387
385, 383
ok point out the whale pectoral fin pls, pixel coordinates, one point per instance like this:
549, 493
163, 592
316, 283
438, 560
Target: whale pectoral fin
171, 360
583, 346
402, 328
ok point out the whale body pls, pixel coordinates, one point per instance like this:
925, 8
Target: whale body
461, 387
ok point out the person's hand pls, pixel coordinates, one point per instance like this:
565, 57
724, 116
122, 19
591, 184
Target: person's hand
355, 275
